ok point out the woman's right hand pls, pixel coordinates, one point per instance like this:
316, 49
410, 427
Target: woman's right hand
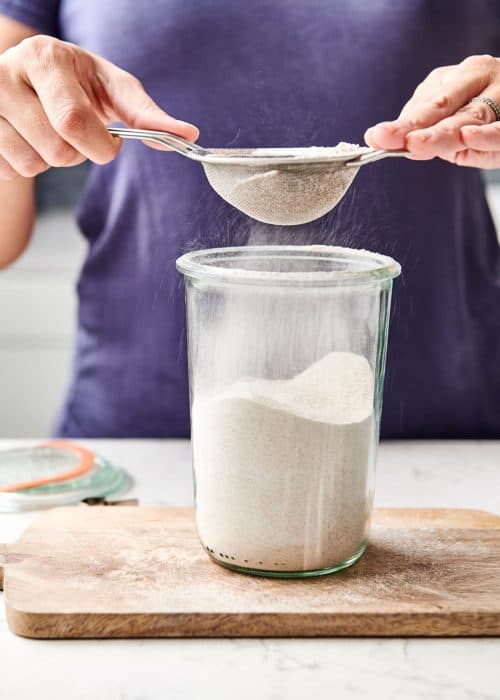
55, 99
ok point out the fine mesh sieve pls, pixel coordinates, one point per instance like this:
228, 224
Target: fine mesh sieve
283, 186
285, 194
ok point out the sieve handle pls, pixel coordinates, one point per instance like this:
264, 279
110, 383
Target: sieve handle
176, 143
373, 156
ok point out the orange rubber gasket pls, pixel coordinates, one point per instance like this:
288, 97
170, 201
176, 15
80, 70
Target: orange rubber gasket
85, 464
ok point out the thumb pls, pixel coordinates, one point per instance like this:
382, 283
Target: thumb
131, 104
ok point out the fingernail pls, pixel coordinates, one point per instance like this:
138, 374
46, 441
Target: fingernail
376, 127
393, 126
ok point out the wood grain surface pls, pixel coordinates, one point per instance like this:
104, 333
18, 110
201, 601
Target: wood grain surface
141, 572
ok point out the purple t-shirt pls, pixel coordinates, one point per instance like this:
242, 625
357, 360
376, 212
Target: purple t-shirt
281, 72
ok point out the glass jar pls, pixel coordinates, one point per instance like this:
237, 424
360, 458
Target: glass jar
287, 349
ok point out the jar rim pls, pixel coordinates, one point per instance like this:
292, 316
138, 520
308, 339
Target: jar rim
361, 266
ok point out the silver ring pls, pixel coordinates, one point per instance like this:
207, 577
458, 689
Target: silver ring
490, 103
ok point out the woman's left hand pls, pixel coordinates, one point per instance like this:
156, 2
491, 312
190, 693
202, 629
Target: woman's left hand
440, 120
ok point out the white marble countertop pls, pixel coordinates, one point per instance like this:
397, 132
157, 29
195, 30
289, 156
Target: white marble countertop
427, 474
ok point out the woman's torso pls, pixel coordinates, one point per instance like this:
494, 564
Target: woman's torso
284, 72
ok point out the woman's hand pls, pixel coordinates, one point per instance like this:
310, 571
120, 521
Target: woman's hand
439, 119
55, 99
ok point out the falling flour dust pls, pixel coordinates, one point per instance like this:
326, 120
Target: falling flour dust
282, 467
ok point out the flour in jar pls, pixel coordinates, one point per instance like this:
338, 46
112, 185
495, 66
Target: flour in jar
283, 467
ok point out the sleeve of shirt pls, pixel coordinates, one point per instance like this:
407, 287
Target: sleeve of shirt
41, 15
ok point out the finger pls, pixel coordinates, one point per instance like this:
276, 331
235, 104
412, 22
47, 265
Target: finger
32, 124
441, 94
385, 136
445, 138
132, 105
18, 153
478, 159
68, 107
482, 138
7, 172
447, 90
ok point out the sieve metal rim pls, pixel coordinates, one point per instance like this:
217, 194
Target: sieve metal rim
199, 265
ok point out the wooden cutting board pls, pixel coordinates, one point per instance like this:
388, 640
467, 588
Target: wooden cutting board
141, 572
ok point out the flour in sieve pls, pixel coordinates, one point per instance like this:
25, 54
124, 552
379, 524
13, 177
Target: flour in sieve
315, 152
282, 467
